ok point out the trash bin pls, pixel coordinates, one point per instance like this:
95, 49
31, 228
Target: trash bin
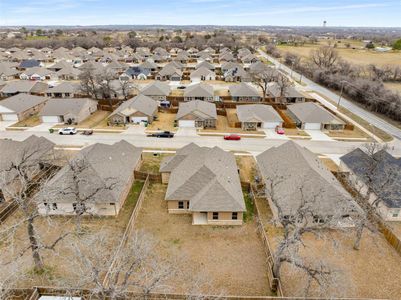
51, 130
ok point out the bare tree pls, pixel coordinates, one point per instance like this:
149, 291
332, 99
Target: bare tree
89, 83
20, 180
132, 268
325, 57
283, 84
263, 79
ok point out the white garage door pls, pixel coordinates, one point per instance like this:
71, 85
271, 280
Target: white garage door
9, 117
270, 125
312, 126
186, 123
137, 120
51, 119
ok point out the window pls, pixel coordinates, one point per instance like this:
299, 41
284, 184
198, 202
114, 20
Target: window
67, 94
180, 204
112, 204
234, 216
54, 206
215, 215
74, 206
188, 205
396, 213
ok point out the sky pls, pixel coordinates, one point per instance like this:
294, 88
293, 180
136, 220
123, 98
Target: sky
379, 13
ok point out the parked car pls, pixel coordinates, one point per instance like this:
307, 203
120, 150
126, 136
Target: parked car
280, 130
232, 137
67, 130
163, 134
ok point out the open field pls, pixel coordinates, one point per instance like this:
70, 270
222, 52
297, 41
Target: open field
363, 273
231, 257
57, 262
355, 56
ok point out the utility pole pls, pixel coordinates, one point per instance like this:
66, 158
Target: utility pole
341, 94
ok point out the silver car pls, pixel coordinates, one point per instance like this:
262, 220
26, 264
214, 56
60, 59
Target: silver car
67, 130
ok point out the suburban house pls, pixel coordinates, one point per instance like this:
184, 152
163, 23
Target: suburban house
33, 153
311, 116
135, 110
204, 182
298, 179
383, 171
237, 74
8, 72
205, 64
23, 86
197, 114
244, 92
290, 94
202, 74
96, 181
169, 73
68, 73
28, 63
20, 107
199, 91
65, 90
136, 73
157, 90
69, 111
254, 116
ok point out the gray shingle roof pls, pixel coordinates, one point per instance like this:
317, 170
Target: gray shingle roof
199, 90
203, 110
24, 86
142, 103
291, 167
310, 112
243, 90
157, 88
259, 112
386, 174
208, 178
22, 102
104, 166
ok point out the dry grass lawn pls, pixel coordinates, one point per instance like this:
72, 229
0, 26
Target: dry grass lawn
151, 162
396, 87
330, 164
165, 121
365, 273
295, 132
247, 166
356, 133
95, 119
29, 122
355, 56
231, 257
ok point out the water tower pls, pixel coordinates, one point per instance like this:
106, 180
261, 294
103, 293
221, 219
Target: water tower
324, 23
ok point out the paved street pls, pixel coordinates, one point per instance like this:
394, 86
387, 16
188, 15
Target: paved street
253, 145
371, 118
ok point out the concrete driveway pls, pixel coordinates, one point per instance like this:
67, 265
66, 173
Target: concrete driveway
135, 129
5, 124
271, 134
318, 135
186, 131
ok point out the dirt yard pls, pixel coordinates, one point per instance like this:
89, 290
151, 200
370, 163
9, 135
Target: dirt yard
363, 273
165, 121
151, 163
247, 166
330, 164
49, 229
295, 132
231, 257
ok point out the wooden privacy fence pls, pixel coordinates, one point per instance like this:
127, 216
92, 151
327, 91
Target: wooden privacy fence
7, 211
288, 122
275, 283
391, 238
152, 177
128, 230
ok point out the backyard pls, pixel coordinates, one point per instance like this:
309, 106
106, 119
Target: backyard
232, 257
151, 162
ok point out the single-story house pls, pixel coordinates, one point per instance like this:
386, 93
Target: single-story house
297, 178
311, 116
19, 107
157, 90
34, 152
199, 91
38, 73
67, 110
202, 74
169, 73
68, 73
197, 113
204, 182
65, 90
253, 116
205, 64
290, 95
23, 86
383, 173
237, 74
96, 181
28, 63
136, 73
135, 110
8, 71
59, 66
244, 92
